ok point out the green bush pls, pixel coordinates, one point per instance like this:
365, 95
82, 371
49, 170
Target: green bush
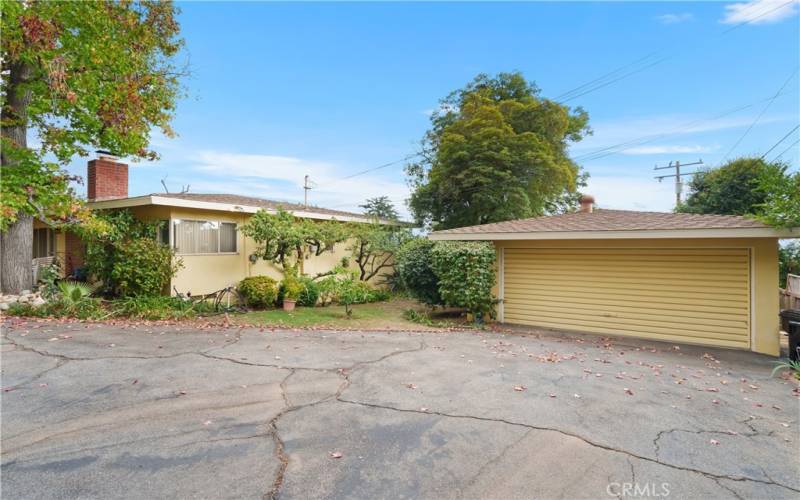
413, 266
126, 257
310, 294
259, 291
378, 295
466, 274
49, 277
292, 288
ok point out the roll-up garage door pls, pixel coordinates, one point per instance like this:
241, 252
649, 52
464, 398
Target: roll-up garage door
699, 296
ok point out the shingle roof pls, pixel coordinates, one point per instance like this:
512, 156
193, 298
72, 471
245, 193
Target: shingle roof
234, 199
611, 220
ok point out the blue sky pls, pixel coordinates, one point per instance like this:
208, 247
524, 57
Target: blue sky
278, 91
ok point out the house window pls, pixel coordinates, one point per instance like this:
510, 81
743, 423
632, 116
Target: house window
44, 243
163, 232
201, 236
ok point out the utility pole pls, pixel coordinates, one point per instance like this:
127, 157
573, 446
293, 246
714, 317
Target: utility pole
678, 184
306, 187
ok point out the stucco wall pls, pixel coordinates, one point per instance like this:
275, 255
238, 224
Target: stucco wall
202, 274
764, 275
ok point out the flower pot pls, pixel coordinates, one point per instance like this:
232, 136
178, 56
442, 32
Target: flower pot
288, 305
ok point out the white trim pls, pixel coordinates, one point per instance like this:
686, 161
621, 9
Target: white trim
743, 232
221, 207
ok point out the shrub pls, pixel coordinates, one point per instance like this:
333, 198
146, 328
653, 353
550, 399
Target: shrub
378, 295
124, 254
413, 266
292, 288
259, 291
466, 274
48, 279
310, 294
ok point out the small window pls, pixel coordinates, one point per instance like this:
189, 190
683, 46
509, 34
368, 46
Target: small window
44, 243
163, 232
203, 237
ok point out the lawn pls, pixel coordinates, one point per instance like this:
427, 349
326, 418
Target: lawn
377, 315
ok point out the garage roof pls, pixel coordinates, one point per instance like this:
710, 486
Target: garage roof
611, 224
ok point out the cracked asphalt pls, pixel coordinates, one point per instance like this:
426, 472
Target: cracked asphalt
173, 411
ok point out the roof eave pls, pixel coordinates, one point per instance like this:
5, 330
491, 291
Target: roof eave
744, 232
210, 205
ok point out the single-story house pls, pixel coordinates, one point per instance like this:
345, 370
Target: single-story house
699, 279
202, 228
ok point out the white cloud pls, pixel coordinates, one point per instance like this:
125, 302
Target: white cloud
675, 18
669, 149
759, 11
621, 130
281, 178
630, 193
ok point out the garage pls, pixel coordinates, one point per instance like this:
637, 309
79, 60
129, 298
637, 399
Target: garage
679, 278
693, 295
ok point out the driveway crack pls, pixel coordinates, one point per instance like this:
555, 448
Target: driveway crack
586, 440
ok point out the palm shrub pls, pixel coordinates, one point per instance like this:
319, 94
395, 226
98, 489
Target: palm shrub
259, 291
466, 275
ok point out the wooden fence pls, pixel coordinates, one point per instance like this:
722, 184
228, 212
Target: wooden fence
790, 297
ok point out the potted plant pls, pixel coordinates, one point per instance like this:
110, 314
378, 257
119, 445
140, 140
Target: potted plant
292, 288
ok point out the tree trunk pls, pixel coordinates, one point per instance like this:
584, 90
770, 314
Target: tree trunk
16, 244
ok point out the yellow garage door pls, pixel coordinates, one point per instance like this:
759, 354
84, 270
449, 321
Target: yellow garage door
699, 296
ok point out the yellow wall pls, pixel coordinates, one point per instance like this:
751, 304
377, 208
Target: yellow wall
203, 274
764, 275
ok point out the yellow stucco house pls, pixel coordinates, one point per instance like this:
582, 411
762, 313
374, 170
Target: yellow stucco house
699, 279
202, 228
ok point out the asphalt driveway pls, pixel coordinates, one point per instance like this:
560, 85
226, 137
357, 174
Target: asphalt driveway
103, 411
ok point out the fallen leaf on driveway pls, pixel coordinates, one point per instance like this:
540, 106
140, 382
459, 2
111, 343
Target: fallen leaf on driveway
576, 396
207, 422
519, 388
713, 441
628, 391
411, 386
335, 454
552, 395
423, 409
712, 389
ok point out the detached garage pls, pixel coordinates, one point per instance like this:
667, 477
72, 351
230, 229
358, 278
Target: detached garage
698, 279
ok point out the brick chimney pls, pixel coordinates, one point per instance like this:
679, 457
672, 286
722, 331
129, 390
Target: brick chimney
108, 178
587, 202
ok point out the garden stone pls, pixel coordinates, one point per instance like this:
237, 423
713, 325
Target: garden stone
38, 301
4, 306
23, 299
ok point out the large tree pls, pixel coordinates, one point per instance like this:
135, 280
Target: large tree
380, 207
735, 188
496, 150
75, 76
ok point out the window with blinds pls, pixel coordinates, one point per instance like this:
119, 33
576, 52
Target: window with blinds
44, 243
202, 236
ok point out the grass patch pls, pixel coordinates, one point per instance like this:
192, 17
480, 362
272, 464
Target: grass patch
389, 314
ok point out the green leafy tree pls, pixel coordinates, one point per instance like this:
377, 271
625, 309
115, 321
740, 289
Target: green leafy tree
735, 188
284, 239
373, 247
77, 76
781, 207
496, 150
381, 208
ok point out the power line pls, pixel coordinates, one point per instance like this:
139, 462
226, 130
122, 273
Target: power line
764, 110
602, 81
748, 21
787, 149
618, 148
385, 165
777, 143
